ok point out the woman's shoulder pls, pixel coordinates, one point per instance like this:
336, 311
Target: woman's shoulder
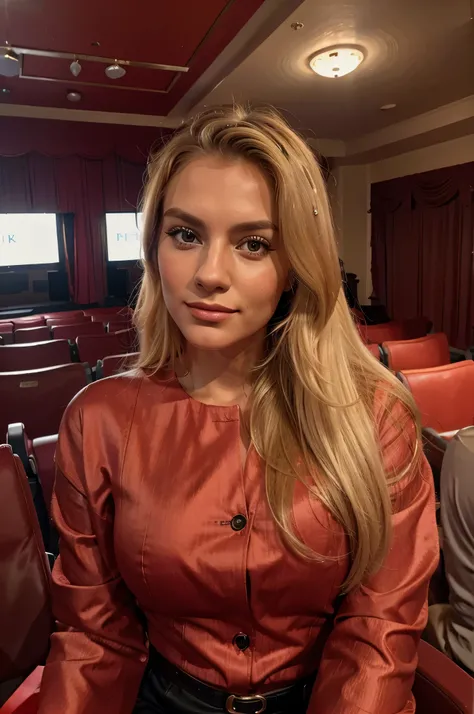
115, 397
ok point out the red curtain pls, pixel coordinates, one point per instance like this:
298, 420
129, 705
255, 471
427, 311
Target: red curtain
422, 248
73, 167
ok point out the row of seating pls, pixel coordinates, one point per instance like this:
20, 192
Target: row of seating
26, 619
39, 397
423, 352
86, 348
393, 330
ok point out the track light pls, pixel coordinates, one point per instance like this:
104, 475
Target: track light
115, 71
9, 62
75, 68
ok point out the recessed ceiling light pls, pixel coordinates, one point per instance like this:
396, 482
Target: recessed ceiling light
337, 61
74, 96
386, 107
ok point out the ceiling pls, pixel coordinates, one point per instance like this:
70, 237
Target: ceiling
185, 33
419, 55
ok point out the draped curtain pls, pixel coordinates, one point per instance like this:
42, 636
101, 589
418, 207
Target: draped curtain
75, 168
422, 248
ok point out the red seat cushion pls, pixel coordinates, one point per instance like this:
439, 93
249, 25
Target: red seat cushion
32, 334
36, 355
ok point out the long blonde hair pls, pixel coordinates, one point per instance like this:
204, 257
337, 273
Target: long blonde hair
312, 401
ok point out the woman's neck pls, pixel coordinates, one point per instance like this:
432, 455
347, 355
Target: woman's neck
220, 377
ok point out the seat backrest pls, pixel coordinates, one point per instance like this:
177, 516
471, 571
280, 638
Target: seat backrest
36, 355
25, 611
67, 320
63, 315
444, 395
429, 351
115, 310
108, 316
6, 331
118, 325
33, 321
39, 397
32, 334
441, 687
381, 333
375, 350
115, 364
95, 347
43, 451
71, 332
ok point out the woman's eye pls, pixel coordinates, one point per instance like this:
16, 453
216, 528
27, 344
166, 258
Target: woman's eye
255, 246
183, 236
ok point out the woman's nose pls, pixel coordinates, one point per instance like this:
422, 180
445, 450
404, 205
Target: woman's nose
213, 271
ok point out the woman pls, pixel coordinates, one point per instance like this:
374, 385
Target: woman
247, 521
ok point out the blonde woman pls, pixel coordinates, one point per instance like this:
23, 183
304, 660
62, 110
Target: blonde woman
247, 520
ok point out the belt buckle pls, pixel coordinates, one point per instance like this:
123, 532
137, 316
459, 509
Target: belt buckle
257, 698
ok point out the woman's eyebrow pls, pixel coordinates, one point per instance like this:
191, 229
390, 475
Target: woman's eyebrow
248, 226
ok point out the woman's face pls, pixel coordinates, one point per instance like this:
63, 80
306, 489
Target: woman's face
222, 263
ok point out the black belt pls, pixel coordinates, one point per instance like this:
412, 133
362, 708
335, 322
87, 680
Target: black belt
291, 699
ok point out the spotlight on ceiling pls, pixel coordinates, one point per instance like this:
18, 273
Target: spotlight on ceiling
74, 96
76, 68
9, 62
115, 71
337, 61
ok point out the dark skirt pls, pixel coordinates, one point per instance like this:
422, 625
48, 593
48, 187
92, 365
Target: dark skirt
167, 690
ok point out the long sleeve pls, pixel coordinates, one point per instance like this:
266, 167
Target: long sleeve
98, 652
370, 658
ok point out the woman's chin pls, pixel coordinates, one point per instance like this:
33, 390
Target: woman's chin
210, 337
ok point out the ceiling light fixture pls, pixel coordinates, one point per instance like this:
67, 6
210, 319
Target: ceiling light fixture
9, 62
337, 61
115, 71
74, 96
75, 67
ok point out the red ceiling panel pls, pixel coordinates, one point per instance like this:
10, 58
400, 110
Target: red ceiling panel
190, 33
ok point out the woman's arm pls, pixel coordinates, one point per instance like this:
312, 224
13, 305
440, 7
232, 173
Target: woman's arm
370, 658
98, 653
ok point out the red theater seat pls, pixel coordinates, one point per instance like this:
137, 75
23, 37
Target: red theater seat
445, 397
36, 355
108, 316
381, 333
425, 352
65, 314
6, 331
67, 320
375, 350
32, 334
38, 398
95, 347
33, 321
441, 687
118, 325
71, 332
116, 310
25, 613
115, 364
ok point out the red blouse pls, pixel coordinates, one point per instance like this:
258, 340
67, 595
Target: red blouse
154, 509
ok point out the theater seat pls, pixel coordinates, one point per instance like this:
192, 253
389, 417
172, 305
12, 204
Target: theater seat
71, 332
25, 613
425, 352
381, 333
32, 334
38, 398
6, 331
36, 355
33, 321
441, 687
67, 320
63, 315
118, 325
115, 364
92, 348
115, 310
375, 350
445, 397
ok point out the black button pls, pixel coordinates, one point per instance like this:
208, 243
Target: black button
238, 522
241, 641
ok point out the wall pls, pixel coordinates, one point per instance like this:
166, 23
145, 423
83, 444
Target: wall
349, 195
